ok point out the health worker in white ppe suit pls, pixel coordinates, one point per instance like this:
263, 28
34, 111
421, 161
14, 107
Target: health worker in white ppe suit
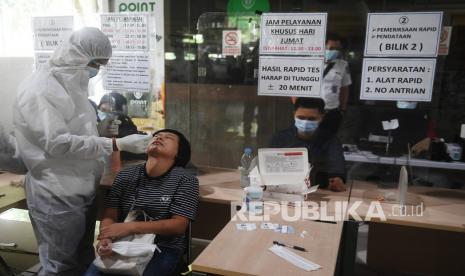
58, 141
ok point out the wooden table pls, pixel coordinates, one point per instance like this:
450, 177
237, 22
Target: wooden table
235, 252
226, 254
443, 209
221, 187
427, 243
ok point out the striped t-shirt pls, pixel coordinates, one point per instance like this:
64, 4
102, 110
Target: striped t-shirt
174, 193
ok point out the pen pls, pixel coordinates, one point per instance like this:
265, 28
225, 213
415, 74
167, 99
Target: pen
326, 221
291, 246
2, 195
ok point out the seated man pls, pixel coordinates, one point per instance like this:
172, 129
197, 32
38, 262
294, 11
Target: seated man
316, 132
164, 191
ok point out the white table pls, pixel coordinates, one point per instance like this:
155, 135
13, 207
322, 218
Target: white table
368, 157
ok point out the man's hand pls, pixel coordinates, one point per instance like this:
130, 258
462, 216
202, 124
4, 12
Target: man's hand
104, 248
336, 184
115, 231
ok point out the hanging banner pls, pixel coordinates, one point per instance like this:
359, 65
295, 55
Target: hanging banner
127, 32
412, 34
51, 32
231, 43
293, 34
397, 79
128, 71
290, 76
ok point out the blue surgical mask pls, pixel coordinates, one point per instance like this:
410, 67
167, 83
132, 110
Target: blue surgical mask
306, 125
92, 71
331, 55
102, 115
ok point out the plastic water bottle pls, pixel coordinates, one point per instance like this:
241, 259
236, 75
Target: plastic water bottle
245, 168
253, 199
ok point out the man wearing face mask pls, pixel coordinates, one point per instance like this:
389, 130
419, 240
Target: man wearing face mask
315, 131
336, 74
115, 105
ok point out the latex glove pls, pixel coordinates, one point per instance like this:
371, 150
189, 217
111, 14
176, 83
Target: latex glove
135, 143
108, 127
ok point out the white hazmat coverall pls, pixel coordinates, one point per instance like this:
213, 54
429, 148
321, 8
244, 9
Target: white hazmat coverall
56, 133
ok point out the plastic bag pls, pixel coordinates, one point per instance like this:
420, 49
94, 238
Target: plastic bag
131, 254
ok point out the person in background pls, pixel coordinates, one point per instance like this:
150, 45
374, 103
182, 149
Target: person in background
336, 78
163, 190
315, 131
58, 141
115, 104
336, 81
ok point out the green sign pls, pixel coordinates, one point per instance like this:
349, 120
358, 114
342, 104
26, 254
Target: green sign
135, 6
248, 6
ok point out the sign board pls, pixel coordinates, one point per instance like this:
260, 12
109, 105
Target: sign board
247, 7
127, 32
156, 16
280, 166
445, 40
397, 79
413, 34
293, 33
231, 43
290, 76
135, 5
128, 71
155, 10
51, 32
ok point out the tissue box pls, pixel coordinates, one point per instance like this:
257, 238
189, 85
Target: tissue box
284, 172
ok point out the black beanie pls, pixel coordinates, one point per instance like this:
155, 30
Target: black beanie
184, 148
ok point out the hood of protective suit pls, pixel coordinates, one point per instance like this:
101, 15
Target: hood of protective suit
69, 61
82, 46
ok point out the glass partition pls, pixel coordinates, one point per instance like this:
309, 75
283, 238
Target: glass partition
216, 100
